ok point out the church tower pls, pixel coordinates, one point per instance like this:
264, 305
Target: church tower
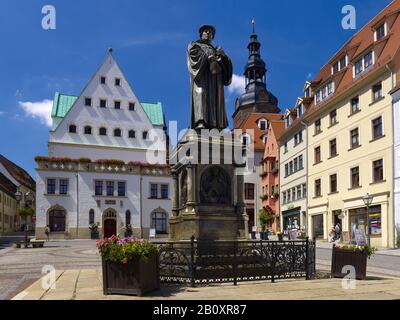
256, 99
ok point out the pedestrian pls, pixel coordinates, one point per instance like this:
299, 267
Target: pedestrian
338, 231
47, 232
332, 234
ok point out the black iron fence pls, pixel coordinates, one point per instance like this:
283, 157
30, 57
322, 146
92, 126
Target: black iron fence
203, 262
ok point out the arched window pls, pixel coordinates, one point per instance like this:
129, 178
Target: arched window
132, 134
159, 221
72, 128
88, 130
103, 131
127, 217
117, 132
91, 216
57, 220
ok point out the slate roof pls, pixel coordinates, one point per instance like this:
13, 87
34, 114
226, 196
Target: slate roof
7, 186
62, 103
18, 173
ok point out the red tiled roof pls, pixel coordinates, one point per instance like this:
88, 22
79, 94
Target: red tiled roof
385, 52
18, 173
250, 123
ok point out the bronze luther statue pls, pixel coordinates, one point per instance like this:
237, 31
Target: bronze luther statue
210, 70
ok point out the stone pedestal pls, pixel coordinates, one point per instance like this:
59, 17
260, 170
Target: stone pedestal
208, 198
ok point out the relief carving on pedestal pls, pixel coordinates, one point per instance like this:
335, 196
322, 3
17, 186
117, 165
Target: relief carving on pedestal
215, 186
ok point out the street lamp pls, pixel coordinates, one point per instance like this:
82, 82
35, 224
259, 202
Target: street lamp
368, 201
28, 201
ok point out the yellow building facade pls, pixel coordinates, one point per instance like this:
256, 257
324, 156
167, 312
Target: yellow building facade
350, 154
338, 180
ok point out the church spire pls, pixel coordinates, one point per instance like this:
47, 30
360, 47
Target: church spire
255, 69
256, 98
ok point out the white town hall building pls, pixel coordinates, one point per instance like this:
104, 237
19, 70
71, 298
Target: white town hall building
106, 162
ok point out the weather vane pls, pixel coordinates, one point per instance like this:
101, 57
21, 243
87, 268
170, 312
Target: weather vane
253, 22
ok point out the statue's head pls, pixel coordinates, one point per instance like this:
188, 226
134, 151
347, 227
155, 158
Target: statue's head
207, 32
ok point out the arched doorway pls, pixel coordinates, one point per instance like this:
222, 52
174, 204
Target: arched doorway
109, 223
56, 219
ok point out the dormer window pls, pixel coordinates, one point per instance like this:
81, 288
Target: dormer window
325, 92
72, 128
363, 64
368, 60
262, 124
318, 97
339, 65
380, 32
287, 122
300, 110
307, 93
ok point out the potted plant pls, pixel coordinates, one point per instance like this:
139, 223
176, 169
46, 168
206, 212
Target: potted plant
94, 230
128, 231
130, 265
262, 216
350, 255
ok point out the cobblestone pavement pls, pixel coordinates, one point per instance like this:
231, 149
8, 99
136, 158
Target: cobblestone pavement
87, 285
19, 268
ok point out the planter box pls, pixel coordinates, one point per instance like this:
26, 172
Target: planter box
134, 278
341, 258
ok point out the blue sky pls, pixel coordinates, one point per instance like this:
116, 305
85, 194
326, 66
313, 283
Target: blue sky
149, 39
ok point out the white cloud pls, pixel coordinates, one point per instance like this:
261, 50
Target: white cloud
40, 110
238, 84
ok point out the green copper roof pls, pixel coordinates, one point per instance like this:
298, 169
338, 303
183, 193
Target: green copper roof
61, 104
154, 112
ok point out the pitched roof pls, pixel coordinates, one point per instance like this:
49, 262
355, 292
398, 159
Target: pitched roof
7, 186
62, 103
385, 50
155, 113
251, 123
18, 173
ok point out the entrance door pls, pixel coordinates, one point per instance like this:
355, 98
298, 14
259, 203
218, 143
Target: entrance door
110, 228
318, 226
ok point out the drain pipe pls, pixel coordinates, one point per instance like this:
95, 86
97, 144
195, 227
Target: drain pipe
77, 205
303, 123
141, 205
393, 160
